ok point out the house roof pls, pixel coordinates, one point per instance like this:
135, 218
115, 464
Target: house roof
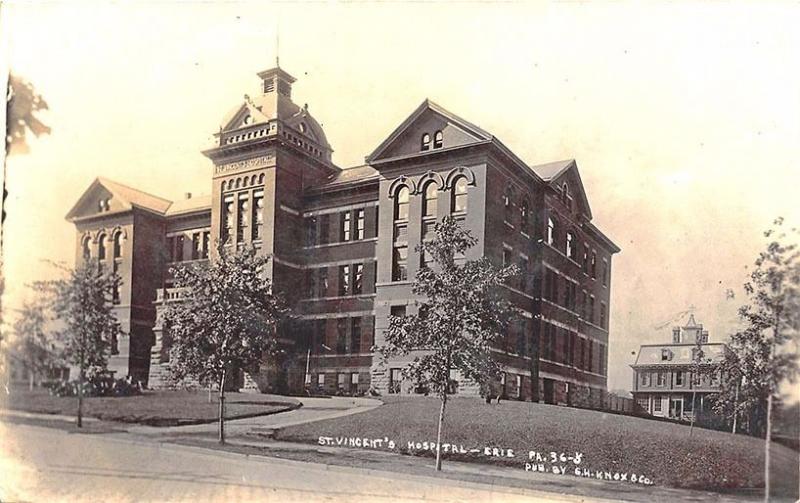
552, 170
677, 354
190, 205
353, 174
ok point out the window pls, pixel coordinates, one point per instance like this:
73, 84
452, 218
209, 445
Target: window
507, 207
604, 272
591, 308
359, 224
115, 294
344, 230
322, 282
341, 336
603, 315
206, 244
644, 379
643, 403
86, 248
101, 247
179, 242
397, 311
570, 245
358, 279
308, 379
551, 231
242, 222
196, 244
342, 380
695, 378
354, 379
429, 203
438, 139
401, 204
679, 378
523, 217
425, 142
660, 379
522, 277
666, 355
459, 196
565, 193
344, 280
227, 218
400, 263
321, 380
656, 404
118, 239
519, 332
355, 335
586, 258
324, 229
594, 264
311, 231
258, 215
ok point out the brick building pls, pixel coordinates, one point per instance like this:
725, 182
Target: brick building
348, 237
663, 377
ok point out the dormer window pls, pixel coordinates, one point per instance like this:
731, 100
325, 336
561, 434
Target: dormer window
666, 355
425, 143
438, 139
565, 192
103, 205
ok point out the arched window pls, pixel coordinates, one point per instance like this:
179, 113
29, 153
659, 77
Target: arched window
459, 204
425, 143
507, 207
101, 247
565, 192
85, 247
551, 231
570, 245
431, 198
523, 217
118, 239
438, 139
401, 203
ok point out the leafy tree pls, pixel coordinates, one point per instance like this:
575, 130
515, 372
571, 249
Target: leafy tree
227, 319
34, 346
758, 360
23, 105
462, 318
82, 302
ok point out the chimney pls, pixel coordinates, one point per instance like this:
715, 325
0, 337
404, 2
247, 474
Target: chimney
188, 195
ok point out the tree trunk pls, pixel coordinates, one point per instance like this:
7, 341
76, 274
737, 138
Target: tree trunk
222, 407
80, 398
439, 434
694, 413
766, 446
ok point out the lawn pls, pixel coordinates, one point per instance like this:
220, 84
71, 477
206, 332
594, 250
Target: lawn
663, 452
160, 408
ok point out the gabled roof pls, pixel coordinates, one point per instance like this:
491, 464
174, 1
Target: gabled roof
552, 170
126, 197
677, 354
426, 105
190, 205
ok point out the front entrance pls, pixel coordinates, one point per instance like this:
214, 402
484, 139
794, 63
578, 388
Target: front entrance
549, 391
676, 408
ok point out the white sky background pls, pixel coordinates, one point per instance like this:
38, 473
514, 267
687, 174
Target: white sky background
683, 118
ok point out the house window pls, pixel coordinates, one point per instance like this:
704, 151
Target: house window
586, 258
179, 242
594, 264
570, 245
660, 378
400, 263
656, 404
565, 193
358, 279
429, 203
666, 355
401, 204
460, 196
322, 282
118, 239
359, 224
605, 272
324, 229
355, 335
398, 311
523, 217
206, 244
644, 379
341, 336
679, 378
196, 245
86, 249
507, 207
101, 247
342, 380
438, 139
242, 223
425, 142
115, 295
311, 231
354, 379
344, 231
344, 280
551, 231
522, 277
258, 215
644, 403
603, 315
227, 218
591, 308
321, 380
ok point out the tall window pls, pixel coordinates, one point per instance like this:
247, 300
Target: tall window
591, 308
228, 211
459, 196
206, 244
429, 203
425, 142
679, 378
401, 204
565, 193
438, 139
258, 215
324, 229
570, 245
196, 245
603, 315
101, 247
604, 272
242, 222
594, 264
400, 263
523, 217
551, 231
586, 258
355, 335
86, 248
341, 335
360, 224
358, 279
344, 231
507, 207
311, 231
344, 280
322, 282
118, 245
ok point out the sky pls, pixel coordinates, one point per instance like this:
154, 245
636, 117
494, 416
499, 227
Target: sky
683, 118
